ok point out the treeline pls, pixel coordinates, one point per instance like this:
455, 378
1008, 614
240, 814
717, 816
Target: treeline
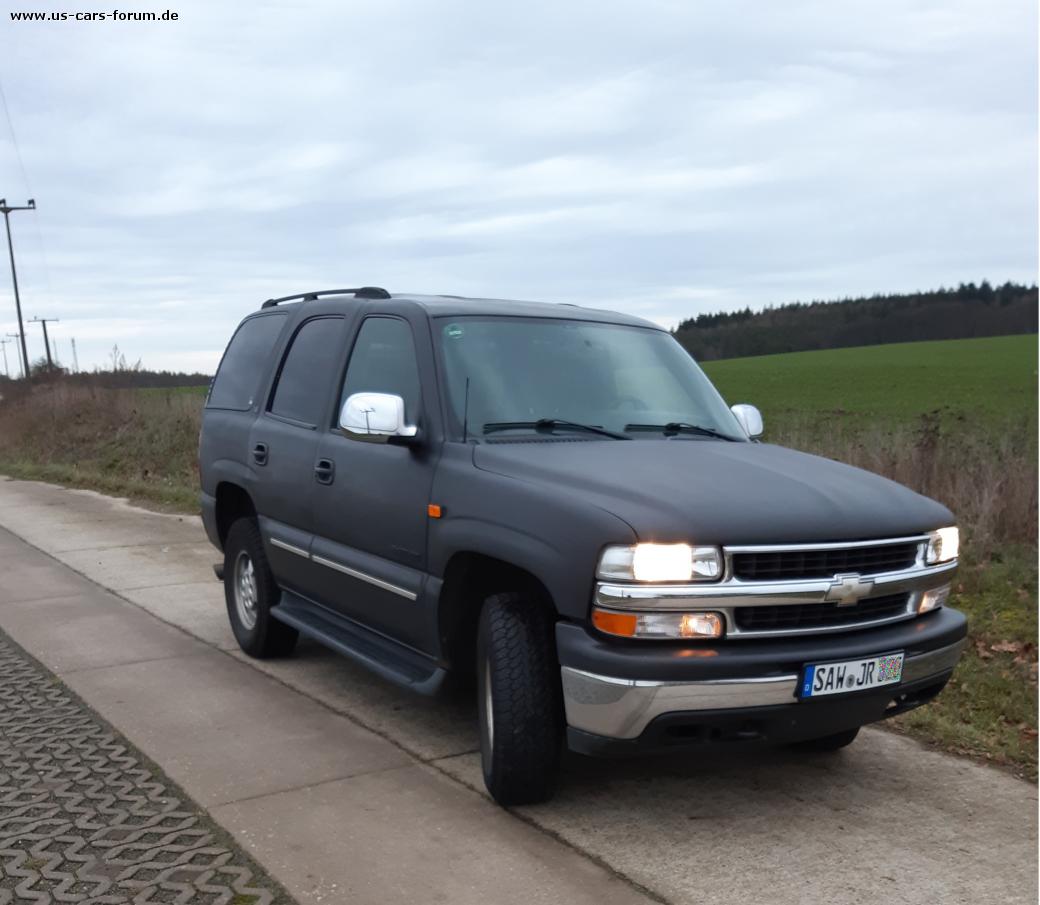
119, 378
140, 378
969, 310
119, 373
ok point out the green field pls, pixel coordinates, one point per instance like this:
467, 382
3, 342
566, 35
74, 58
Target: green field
991, 379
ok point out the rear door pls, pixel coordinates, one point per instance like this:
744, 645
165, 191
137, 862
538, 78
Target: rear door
370, 521
283, 447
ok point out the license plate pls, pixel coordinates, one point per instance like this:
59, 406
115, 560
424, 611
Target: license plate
851, 675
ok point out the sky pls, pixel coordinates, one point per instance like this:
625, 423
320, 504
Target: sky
663, 158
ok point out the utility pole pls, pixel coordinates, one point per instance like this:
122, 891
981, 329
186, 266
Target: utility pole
7, 209
46, 341
16, 337
4, 343
75, 357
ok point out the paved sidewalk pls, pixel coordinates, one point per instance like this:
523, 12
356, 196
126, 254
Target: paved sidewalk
83, 819
334, 811
348, 789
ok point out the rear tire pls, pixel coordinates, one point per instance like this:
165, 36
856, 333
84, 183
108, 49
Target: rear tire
250, 591
834, 742
519, 700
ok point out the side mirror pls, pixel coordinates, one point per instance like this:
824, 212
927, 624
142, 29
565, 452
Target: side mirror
376, 418
750, 419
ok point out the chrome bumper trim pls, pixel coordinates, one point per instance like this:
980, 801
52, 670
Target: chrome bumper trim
623, 708
730, 593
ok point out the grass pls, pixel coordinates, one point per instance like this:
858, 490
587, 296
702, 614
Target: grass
141, 444
954, 420
988, 710
961, 380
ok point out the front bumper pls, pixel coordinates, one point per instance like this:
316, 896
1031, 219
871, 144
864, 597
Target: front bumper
627, 697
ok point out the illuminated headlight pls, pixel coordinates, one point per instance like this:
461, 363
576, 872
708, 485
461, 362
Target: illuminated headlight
943, 545
660, 562
658, 625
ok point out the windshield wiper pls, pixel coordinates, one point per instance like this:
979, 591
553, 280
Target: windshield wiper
681, 427
548, 424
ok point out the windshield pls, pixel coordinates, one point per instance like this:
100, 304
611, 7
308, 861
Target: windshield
627, 380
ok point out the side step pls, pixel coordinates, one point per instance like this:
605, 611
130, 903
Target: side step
386, 658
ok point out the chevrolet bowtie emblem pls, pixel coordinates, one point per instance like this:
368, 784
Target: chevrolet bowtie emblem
846, 590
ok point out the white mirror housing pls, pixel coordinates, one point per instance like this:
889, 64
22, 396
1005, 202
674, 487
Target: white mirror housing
750, 419
375, 417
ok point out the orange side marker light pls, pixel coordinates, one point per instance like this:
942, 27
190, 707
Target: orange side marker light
623, 624
434, 511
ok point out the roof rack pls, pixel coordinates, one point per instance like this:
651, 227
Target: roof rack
364, 292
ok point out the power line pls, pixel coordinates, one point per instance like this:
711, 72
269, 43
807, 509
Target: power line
14, 139
29, 189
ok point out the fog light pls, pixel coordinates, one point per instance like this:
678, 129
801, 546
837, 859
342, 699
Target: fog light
658, 625
933, 599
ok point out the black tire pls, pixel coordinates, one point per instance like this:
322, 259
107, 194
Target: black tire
829, 742
258, 633
521, 719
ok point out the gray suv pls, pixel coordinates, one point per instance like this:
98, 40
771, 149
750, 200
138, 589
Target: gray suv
556, 503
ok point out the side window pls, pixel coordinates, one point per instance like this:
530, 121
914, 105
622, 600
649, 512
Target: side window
384, 361
244, 363
314, 356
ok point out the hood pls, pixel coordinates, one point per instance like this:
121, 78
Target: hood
714, 492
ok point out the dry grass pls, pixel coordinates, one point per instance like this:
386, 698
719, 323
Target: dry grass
138, 444
987, 475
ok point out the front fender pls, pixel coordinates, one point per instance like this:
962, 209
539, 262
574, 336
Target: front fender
548, 532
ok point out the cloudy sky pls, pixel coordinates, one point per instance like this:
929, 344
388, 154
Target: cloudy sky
661, 157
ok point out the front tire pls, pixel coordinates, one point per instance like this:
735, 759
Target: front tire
250, 591
519, 700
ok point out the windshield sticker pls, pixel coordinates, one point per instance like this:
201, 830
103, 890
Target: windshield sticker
453, 330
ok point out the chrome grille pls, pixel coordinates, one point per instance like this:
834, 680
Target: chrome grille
780, 565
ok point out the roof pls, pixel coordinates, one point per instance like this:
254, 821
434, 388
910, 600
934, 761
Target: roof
459, 306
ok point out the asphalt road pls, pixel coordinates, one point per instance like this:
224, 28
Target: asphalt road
360, 786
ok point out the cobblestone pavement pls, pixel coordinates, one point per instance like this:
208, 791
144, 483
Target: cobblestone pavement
83, 820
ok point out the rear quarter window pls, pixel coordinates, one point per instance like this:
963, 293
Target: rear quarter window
244, 363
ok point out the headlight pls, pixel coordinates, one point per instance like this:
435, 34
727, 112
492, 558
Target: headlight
943, 545
660, 562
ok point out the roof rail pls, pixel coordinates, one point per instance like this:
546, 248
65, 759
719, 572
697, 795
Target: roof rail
364, 292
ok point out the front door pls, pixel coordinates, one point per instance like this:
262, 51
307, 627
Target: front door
370, 520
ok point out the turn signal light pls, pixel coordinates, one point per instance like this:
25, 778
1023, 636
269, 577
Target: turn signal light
659, 625
623, 624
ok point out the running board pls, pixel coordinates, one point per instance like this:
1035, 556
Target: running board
386, 658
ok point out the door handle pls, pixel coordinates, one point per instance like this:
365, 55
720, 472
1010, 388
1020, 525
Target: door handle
260, 453
325, 471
